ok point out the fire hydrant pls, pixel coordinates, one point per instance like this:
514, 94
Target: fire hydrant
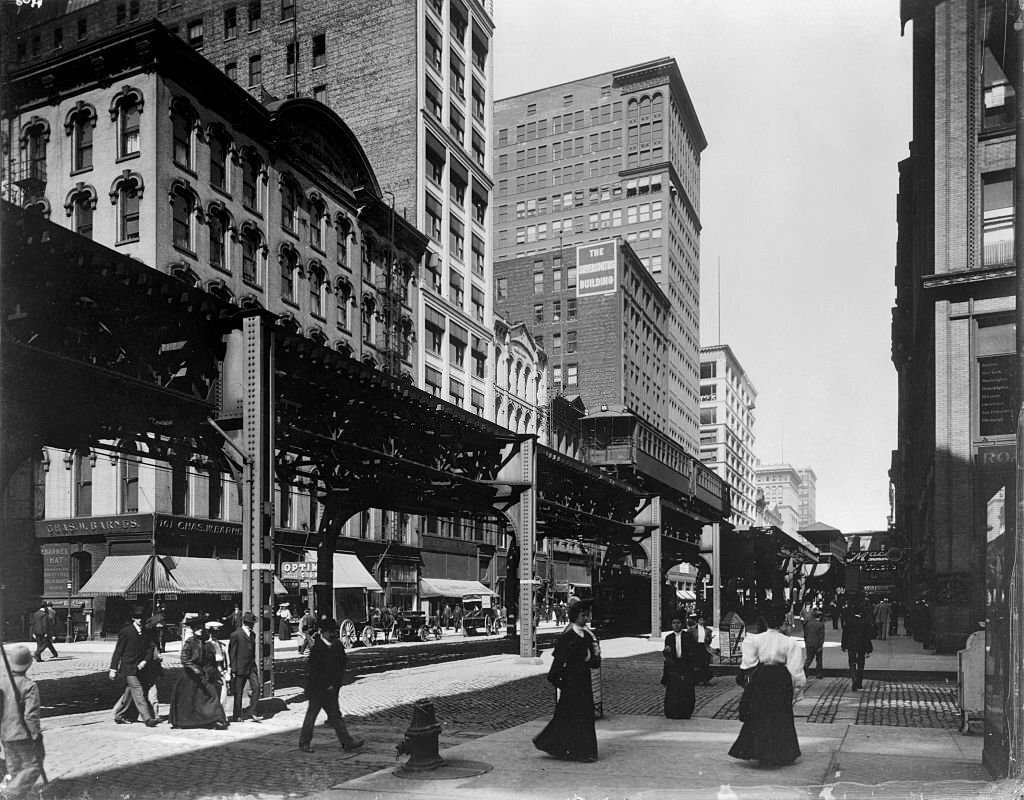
420, 742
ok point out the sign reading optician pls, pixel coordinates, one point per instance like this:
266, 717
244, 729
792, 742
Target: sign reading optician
595, 269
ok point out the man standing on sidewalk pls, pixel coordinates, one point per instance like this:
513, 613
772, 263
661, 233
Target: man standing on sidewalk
857, 642
243, 658
43, 628
814, 641
325, 673
129, 657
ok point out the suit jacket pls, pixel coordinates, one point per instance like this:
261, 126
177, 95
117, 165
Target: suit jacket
42, 624
679, 665
131, 648
814, 634
325, 669
857, 633
242, 652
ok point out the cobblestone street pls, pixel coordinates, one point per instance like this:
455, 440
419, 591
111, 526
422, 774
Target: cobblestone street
91, 757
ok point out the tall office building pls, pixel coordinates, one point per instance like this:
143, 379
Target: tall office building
808, 508
615, 154
727, 402
789, 488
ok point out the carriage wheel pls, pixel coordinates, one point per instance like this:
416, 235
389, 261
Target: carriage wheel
368, 636
347, 632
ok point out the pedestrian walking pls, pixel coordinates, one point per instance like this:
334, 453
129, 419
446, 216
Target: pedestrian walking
219, 672
43, 629
325, 673
130, 656
883, 611
856, 643
772, 669
284, 622
707, 639
235, 620
570, 735
814, 642
679, 672
195, 702
20, 730
244, 664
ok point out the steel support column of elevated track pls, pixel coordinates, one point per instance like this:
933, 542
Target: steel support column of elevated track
649, 516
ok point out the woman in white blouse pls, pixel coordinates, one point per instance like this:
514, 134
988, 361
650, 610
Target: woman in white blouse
772, 668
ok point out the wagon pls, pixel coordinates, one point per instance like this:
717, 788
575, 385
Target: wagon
411, 626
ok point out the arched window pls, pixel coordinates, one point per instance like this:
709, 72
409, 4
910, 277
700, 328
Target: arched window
183, 123
289, 202
342, 300
317, 290
79, 126
218, 223
252, 250
368, 306
126, 110
288, 259
343, 230
79, 205
317, 215
220, 151
252, 166
186, 212
126, 194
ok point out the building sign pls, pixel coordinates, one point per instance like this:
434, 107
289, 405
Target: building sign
298, 570
192, 525
123, 523
993, 456
596, 266
56, 568
997, 395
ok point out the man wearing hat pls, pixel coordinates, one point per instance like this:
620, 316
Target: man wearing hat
325, 672
130, 657
243, 658
43, 629
814, 642
20, 731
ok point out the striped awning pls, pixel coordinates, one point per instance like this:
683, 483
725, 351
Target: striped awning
118, 575
685, 594
448, 587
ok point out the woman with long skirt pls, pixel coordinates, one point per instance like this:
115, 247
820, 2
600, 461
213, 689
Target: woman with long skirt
679, 672
196, 699
772, 668
571, 735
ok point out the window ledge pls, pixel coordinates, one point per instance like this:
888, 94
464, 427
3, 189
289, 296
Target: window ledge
121, 242
185, 251
222, 192
128, 157
289, 302
252, 284
186, 170
81, 170
254, 211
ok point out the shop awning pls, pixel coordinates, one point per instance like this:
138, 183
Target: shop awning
168, 575
685, 594
349, 573
815, 570
446, 587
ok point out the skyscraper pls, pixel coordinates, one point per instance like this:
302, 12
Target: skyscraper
615, 154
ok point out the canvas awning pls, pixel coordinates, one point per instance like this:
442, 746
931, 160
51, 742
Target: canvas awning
349, 573
447, 587
168, 575
815, 570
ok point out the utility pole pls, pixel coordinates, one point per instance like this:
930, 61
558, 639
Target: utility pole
1015, 766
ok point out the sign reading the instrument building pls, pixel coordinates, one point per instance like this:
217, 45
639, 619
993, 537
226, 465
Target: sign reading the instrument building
596, 266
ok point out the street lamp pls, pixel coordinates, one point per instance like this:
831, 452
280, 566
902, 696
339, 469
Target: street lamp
68, 639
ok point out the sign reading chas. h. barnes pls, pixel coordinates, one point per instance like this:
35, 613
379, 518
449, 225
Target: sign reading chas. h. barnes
596, 269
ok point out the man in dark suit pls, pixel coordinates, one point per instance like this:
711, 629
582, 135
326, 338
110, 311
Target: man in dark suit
814, 642
243, 657
325, 672
130, 657
857, 630
43, 628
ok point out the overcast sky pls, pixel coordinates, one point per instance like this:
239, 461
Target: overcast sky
806, 108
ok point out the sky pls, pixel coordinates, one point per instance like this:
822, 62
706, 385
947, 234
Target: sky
806, 106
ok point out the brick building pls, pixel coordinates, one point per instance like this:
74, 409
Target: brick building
953, 330
610, 348
615, 154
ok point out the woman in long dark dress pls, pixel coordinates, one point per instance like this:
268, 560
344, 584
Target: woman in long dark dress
571, 735
196, 699
772, 667
679, 673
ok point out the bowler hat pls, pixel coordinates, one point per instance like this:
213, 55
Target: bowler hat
248, 618
20, 658
138, 611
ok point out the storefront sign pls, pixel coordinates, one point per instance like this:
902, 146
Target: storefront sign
192, 525
56, 568
125, 523
996, 455
298, 570
596, 269
997, 396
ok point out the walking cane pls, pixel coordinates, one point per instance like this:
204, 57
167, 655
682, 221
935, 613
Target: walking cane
21, 710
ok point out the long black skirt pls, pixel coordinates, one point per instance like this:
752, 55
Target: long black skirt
680, 696
768, 734
196, 703
571, 734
